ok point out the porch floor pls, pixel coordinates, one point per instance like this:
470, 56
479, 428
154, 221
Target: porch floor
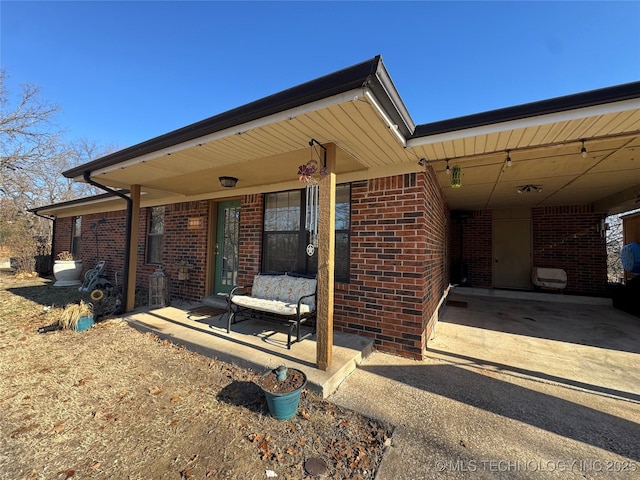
253, 343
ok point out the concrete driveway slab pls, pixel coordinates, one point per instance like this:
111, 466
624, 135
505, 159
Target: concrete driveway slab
504, 403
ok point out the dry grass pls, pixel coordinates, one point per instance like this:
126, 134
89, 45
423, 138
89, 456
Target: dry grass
111, 402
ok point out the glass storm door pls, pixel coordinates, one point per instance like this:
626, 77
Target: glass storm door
226, 248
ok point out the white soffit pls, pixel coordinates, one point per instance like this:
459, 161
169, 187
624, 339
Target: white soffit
530, 122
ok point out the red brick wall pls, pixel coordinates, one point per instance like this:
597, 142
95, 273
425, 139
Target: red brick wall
436, 256
109, 245
563, 237
250, 244
63, 236
567, 237
473, 257
110, 242
179, 245
398, 262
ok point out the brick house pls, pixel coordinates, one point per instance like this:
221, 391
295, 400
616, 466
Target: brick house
532, 185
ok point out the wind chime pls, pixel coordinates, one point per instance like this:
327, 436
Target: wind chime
305, 174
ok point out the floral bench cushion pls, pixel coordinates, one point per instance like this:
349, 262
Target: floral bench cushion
285, 289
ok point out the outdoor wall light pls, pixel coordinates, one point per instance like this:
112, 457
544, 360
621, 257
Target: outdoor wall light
228, 182
508, 159
583, 150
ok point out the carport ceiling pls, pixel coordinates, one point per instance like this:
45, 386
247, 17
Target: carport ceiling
547, 155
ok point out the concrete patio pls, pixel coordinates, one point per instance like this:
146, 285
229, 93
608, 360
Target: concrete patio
253, 344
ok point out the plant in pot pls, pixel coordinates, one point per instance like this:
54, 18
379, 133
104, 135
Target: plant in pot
282, 387
75, 316
67, 270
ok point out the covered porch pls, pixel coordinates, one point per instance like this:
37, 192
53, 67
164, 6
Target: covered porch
352, 123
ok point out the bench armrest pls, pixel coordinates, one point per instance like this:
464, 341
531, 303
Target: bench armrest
301, 301
239, 290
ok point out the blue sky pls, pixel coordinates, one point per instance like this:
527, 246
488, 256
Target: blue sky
124, 72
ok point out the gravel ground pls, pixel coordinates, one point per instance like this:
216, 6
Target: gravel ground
111, 402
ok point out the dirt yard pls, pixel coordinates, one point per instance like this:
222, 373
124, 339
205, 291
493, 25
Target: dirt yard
111, 402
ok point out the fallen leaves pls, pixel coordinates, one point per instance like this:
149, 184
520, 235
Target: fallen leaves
187, 472
83, 381
102, 415
305, 414
21, 430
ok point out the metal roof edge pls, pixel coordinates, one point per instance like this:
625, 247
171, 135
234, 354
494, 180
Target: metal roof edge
574, 101
77, 201
389, 97
334, 83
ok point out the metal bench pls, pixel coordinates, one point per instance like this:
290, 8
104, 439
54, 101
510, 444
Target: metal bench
281, 297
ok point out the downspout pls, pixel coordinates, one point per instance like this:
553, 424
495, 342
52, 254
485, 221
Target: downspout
127, 254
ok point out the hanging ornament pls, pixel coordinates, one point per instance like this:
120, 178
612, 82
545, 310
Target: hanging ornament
306, 171
305, 174
456, 176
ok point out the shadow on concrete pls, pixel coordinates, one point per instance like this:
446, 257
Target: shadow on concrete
596, 326
226, 337
534, 374
543, 411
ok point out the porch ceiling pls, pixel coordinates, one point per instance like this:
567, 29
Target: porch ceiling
266, 156
545, 154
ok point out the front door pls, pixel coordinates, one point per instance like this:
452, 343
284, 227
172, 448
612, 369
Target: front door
226, 247
512, 254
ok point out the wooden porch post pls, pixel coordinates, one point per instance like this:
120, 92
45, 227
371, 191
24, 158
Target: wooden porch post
134, 192
326, 257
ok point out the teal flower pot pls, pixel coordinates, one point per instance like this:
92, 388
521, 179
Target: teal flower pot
84, 323
283, 406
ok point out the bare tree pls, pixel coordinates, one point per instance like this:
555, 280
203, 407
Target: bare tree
32, 159
26, 127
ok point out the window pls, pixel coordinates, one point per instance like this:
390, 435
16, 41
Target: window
75, 237
285, 238
154, 236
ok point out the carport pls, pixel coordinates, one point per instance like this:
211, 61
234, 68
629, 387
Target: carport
536, 184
